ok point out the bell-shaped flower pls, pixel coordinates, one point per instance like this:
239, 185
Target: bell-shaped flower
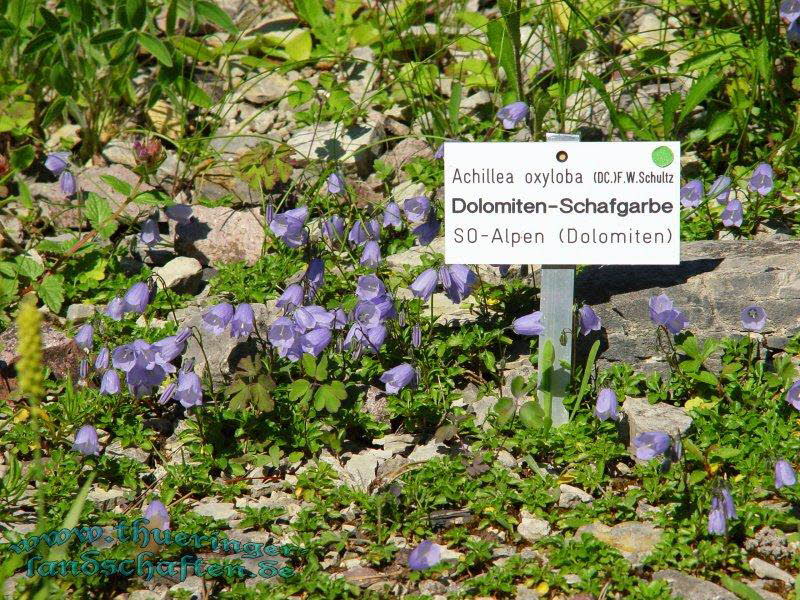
398, 377
335, 183
67, 183
754, 318
291, 298
149, 234
391, 215
86, 441
589, 320
57, 163
84, 337
189, 391
457, 281
692, 193
424, 556
216, 318
513, 115
720, 189
243, 322
733, 215
157, 516
793, 395
606, 407
417, 208
761, 180
529, 324
651, 444
784, 474
137, 298
115, 309
425, 283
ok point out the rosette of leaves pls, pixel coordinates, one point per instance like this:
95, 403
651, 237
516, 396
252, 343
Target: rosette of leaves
252, 387
264, 166
318, 392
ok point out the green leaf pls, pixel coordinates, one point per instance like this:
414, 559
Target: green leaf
339, 390
136, 13
106, 37
155, 47
192, 48
587, 371
27, 267
762, 60
61, 80
699, 91
99, 214
706, 377
670, 107
725, 452
720, 125
51, 291
504, 409
299, 46
321, 374
531, 415
309, 364
502, 47
153, 198
192, 92
117, 185
212, 13
697, 476
40, 42
454, 105
692, 449
54, 111
22, 157
737, 587
518, 386
298, 389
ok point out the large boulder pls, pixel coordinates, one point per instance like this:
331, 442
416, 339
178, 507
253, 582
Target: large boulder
220, 235
713, 283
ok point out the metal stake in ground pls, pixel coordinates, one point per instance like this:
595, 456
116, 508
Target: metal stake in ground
557, 293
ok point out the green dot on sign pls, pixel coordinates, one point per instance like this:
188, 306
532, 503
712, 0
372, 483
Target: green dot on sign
663, 156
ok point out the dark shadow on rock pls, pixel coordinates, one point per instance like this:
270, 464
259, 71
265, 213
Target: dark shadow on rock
331, 150
597, 284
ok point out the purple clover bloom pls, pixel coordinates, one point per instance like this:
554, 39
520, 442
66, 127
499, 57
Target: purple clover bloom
168, 393
692, 193
754, 318
398, 377
335, 183
717, 523
291, 298
84, 337
512, 115
425, 283
314, 276
182, 213
784, 474
371, 255
417, 208
427, 232
529, 324
391, 215
793, 395
115, 309
149, 234
109, 384
137, 298
157, 516
606, 407
67, 183
720, 189
589, 320
789, 10
243, 322
216, 318
333, 228
86, 441
761, 180
733, 215
369, 287
57, 163
315, 341
189, 391
650, 444
102, 360
424, 556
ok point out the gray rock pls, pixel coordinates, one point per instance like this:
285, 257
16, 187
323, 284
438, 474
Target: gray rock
220, 235
264, 89
532, 528
222, 351
758, 587
376, 404
181, 274
686, 586
355, 147
429, 451
404, 152
78, 313
362, 73
640, 416
571, 496
194, 585
634, 540
714, 281
59, 353
224, 511
137, 454
526, 593
769, 543
106, 499
395, 443
158, 593
119, 152
363, 467
766, 570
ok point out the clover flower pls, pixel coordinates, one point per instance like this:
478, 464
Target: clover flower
512, 115
86, 441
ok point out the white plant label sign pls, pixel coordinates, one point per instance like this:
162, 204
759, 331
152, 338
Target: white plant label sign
562, 203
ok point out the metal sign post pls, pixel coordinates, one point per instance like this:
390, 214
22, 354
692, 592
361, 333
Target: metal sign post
557, 294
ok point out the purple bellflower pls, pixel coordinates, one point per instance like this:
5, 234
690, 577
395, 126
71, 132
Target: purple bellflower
149, 234
720, 189
315, 341
662, 312
513, 115
333, 228
457, 281
243, 322
291, 298
102, 360
424, 556
606, 407
417, 208
181, 213
216, 318
761, 180
733, 215
427, 232
784, 474
369, 287
391, 215
109, 384
425, 284
371, 254
189, 391
168, 393
314, 276
692, 193
589, 320
398, 377
86, 441
137, 298
793, 395
57, 162
67, 183
529, 324
416, 336
651, 444
289, 226
84, 337
754, 318
335, 183
157, 516
717, 522
789, 10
